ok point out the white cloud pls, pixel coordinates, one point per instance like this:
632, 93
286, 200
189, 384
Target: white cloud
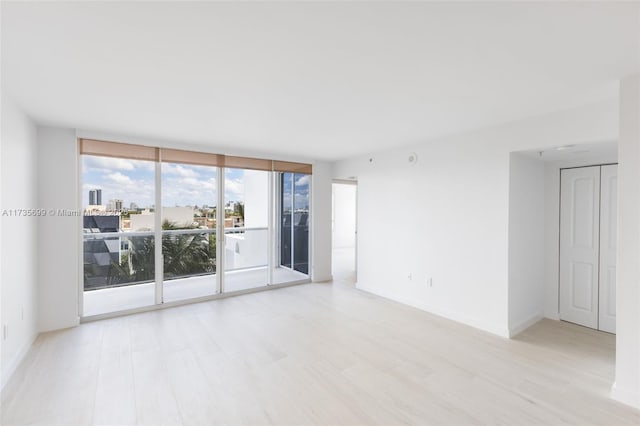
182, 185
304, 180
234, 189
188, 191
119, 178
93, 163
140, 191
189, 182
179, 170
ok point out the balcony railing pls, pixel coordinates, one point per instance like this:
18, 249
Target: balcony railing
113, 259
246, 248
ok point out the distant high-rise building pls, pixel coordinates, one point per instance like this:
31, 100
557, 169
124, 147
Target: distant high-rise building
95, 197
115, 205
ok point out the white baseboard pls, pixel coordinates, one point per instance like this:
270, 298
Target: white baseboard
59, 325
523, 325
12, 366
451, 315
552, 315
322, 279
626, 396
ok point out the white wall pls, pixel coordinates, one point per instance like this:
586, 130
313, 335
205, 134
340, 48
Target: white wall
344, 215
321, 222
454, 223
19, 237
452, 229
247, 250
3, 375
627, 386
59, 237
526, 242
256, 199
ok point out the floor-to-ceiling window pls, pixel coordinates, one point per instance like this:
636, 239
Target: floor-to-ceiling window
286, 219
300, 222
293, 232
117, 256
220, 221
189, 240
246, 228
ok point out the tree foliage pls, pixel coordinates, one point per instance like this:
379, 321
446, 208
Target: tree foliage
183, 255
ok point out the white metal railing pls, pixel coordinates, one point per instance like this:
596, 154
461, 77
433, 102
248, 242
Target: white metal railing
252, 265
103, 235
188, 231
241, 230
166, 232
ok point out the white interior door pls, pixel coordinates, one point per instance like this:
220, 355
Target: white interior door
579, 245
608, 225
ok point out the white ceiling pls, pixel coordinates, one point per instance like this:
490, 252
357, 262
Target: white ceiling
310, 80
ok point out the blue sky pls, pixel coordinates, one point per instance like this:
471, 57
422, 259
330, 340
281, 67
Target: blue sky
301, 189
182, 184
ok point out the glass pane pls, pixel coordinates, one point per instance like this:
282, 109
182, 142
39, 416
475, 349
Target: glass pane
246, 229
286, 207
294, 228
119, 265
189, 198
301, 223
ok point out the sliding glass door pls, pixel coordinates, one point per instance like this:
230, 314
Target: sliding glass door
164, 225
300, 223
246, 229
189, 204
118, 257
286, 220
293, 232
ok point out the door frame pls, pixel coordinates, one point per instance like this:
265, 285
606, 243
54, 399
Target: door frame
559, 246
353, 182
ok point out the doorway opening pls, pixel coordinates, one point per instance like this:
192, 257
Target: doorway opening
540, 182
588, 213
344, 231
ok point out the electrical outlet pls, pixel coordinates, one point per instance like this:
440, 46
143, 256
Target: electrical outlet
410, 276
430, 281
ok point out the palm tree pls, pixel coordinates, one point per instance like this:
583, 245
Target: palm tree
135, 266
187, 254
184, 255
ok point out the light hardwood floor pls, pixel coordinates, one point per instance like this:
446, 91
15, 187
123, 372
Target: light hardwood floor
312, 354
343, 265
